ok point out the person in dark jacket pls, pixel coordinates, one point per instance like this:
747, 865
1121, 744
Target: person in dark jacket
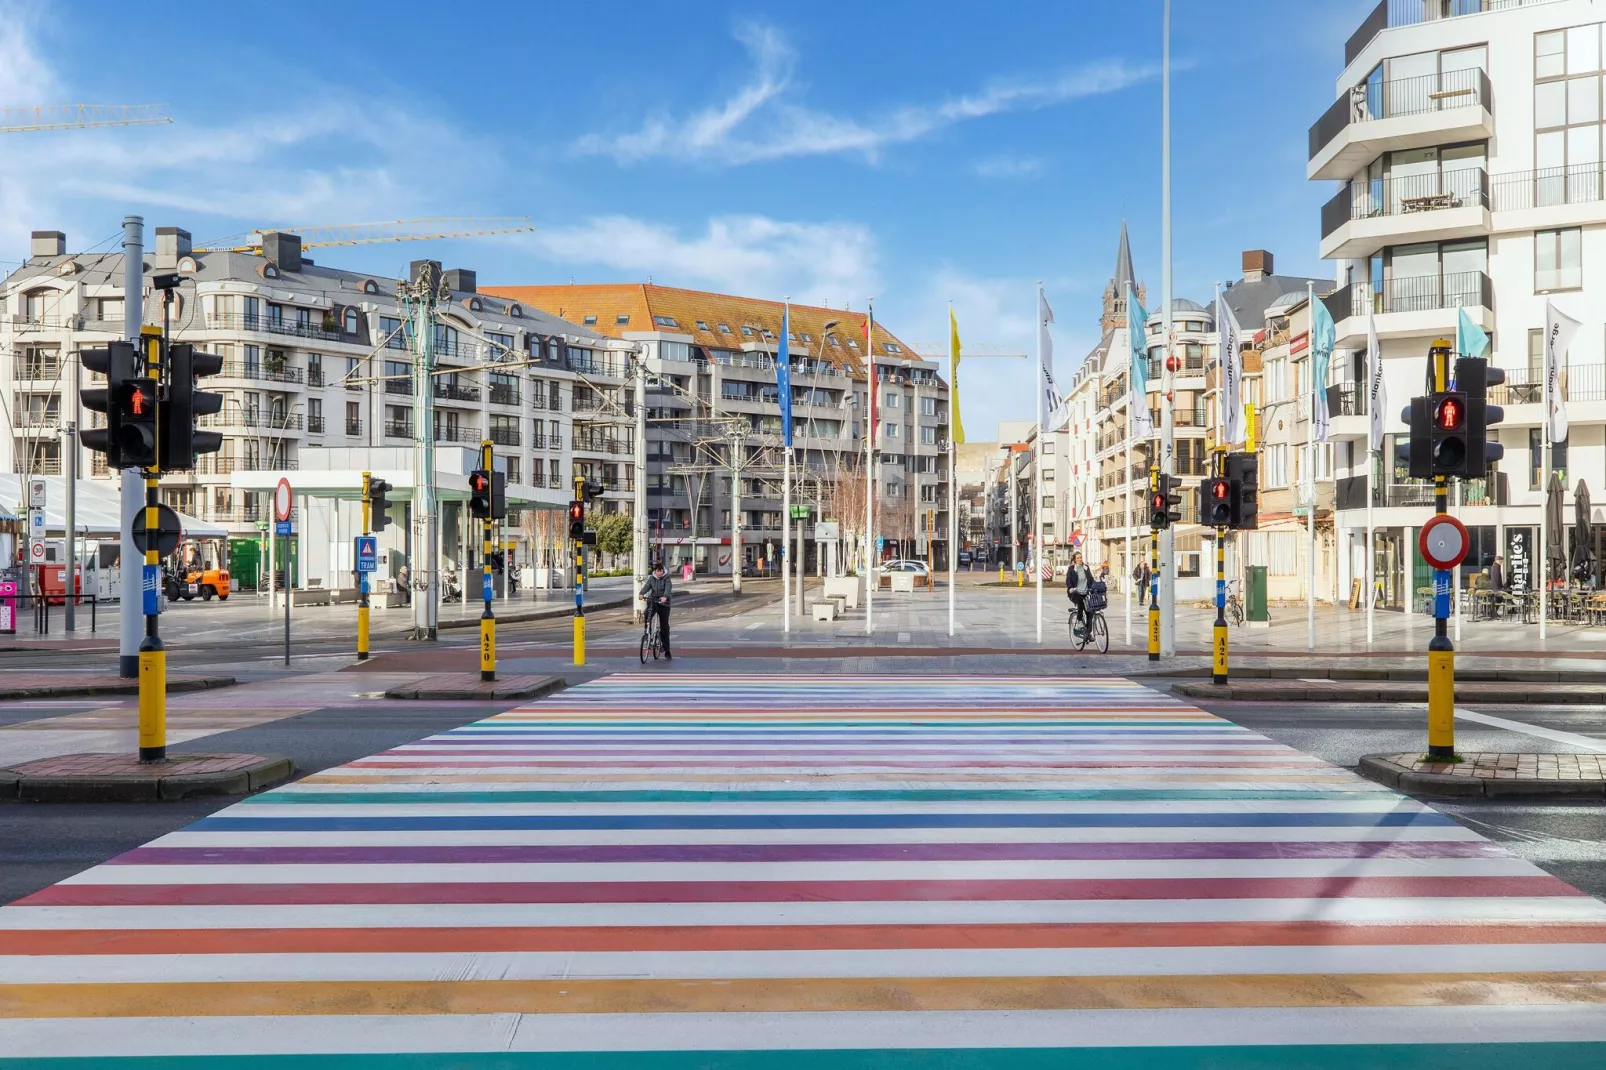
659, 591
1497, 575
1078, 579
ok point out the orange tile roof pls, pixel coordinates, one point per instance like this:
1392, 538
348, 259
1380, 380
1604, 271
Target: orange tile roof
699, 314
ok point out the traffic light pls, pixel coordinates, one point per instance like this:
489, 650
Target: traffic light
378, 505
179, 440
1215, 501
1164, 502
119, 363
498, 495
136, 417
1415, 454
577, 519
1474, 377
1449, 410
589, 490
1243, 475
479, 494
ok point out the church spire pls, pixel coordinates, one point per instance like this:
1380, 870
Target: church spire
1123, 266
1115, 291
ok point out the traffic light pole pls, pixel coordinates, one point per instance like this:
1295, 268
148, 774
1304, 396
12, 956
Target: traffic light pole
487, 618
1218, 668
152, 654
1154, 573
579, 583
1441, 657
362, 577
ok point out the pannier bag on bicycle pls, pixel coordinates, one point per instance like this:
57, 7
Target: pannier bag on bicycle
1097, 596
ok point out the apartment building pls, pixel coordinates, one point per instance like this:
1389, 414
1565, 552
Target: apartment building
714, 409
315, 359
1466, 141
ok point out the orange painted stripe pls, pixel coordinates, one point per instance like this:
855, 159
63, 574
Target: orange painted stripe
778, 937
752, 774
768, 994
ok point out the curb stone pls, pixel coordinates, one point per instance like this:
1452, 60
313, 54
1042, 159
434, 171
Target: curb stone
143, 787
1381, 768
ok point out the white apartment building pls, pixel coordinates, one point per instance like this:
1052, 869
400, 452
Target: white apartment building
1466, 138
316, 375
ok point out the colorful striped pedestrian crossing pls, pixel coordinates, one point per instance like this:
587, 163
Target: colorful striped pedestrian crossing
660, 872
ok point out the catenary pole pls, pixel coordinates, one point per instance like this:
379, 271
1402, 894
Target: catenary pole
1037, 471
953, 477
786, 491
130, 619
639, 535
1168, 564
869, 474
1126, 473
1374, 360
1310, 475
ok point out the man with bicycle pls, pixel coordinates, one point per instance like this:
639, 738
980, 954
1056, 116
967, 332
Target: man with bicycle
1078, 581
658, 591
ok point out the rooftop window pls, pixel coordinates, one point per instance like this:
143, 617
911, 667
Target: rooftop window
747, 330
724, 328
769, 333
664, 321
622, 320
590, 321
701, 326
893, 347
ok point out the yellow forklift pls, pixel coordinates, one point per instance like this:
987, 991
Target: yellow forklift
197, 569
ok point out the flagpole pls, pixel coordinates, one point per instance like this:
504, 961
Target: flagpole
953, 465
1168, 462
1544, 489
1037, 468
1374, 361
1310, 474
1126, 475
869, 476
786, 480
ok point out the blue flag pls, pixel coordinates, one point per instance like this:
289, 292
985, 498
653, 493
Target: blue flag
1470, 339
1136, 319
1323, 336
783, 377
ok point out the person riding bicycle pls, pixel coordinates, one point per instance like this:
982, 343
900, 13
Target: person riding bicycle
1078, 581
658, 591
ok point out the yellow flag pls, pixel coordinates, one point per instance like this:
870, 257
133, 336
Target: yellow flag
953, 374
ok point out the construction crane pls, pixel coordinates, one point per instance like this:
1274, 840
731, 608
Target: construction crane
79, 117
315, 237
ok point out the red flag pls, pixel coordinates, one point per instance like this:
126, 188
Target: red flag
869, 364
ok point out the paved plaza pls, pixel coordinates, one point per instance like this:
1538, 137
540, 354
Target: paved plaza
874, 871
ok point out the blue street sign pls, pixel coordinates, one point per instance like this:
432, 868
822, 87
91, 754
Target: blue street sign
151, 587
485, 586
282, 527
367, 553
880, 544
1441, 594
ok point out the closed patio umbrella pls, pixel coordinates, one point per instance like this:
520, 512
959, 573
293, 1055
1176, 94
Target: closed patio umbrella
1555, 529
1583, 557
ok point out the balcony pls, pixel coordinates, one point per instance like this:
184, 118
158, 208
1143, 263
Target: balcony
315, 425
456, 433
1414, 307
1407, 113
266, 325
504, 395
1390, 13
1526, 386
554, 481
399, 386
554, 441
258, 371
39, 466
314, 376
505, 436
36, 370
398, 429
1411, 208
255, 419
353, 427
213, 464
456, 392
1556, 196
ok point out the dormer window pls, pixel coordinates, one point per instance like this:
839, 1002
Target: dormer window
351, 321
622, 320
663, 321
269, 271
590, 321
476, 305
369, 286
187, 265
515, 311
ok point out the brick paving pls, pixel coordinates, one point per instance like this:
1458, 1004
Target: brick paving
40, 683
102, 765
1511, 766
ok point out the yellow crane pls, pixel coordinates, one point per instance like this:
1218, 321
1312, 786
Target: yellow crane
315, 237
28, 120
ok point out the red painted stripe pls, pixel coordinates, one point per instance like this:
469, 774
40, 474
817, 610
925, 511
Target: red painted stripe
778, 937
1225, 763
797, 891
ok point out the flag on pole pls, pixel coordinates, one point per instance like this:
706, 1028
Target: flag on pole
1323, 334
953, 375
869, 368
1232, 364
1559, 331
1136, 317
1378, 403
1045, 352
1470, 339
783, 376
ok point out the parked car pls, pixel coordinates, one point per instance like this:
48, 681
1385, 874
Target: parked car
963, 559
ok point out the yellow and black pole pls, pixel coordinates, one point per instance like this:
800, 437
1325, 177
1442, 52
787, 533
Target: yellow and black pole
1154, 566
487, 618
152, 655
362, 577
1218, 666
1441, 652
577, 542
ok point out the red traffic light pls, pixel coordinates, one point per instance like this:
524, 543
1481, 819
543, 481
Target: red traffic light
1158, 502
478, 483
137, 402
577, 511
1220, 490
1450, 414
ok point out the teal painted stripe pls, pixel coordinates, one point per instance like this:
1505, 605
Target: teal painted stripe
1450, 1056
675, 722
290, 796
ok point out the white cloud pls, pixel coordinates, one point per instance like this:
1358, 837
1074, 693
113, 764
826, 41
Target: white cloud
1008, 167
810, 262
762, 121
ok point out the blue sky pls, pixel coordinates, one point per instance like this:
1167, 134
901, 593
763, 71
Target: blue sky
913, 152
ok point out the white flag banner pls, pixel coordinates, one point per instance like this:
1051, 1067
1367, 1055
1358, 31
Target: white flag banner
1559, 331
1378, 397
1232, 363
1045, 352
1142, 426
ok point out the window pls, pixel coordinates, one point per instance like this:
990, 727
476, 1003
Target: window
1567, 115
590, 321
391, 328
502, 342
892, 399
353, 417
1558, 260
1274, 381
664, 321
928, 407
351, 321
315, 369
724, 328
1274, 468
1048, 501
1536, 459
748, 331
622, 320
1048, 447
892, 430
702, 326
928, 436
1284, 553
893, 347
513, 470
351, 373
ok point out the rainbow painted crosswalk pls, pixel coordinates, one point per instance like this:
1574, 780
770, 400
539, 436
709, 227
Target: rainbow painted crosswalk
850, 872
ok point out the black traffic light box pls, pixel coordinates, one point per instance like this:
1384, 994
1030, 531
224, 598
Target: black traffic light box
589, 491
119, 363
136, 423
1167, 501
1448, 410
180, 442
479, 494
577, 519
1416, 453
1474, 377
1243, 474
498, 495
1216, 495
378, 505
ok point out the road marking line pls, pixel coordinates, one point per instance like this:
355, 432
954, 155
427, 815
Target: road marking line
1555, 735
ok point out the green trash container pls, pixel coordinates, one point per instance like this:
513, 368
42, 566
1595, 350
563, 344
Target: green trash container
1255, 593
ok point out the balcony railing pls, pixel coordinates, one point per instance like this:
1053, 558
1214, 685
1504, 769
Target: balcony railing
505, 436
1526, 386
456, 391
398, 429
1464, 187
1346, 399
314, 376
1418, 293
290, 421
554, 442
398, 386
213, 464
353, 427
315, 425
36, 369
256, 370
504, 395
265, 325
1403, 96
39, 466
1410, 12
450, 433
1548, 186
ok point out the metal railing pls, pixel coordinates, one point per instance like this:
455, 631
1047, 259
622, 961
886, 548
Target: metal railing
504, 436
212, 464
457, 433
398, 428
35, 369
1346, 399
398, 386
456, 391
255, 418
555, 481
314, 376
1390, 13
554, 441
354, 427
235, 321
256, 370
1526, 386
1418, 293
1465, 187
1548, 186
1403, 96
315, 425
39, 466
504, 395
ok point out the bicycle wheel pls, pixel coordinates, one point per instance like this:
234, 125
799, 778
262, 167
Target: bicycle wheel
647, 644
1098, 633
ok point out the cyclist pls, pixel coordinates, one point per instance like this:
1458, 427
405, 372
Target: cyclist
1078, 580
658, 591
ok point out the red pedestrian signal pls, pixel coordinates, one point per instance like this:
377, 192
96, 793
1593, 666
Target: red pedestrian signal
1451, 414
136, 403
577, 519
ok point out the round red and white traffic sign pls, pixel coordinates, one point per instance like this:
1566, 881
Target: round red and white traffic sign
281, 500
1443, 542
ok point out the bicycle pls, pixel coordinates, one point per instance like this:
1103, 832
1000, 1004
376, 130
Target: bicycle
1096, 633
1235, 606
652, 639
